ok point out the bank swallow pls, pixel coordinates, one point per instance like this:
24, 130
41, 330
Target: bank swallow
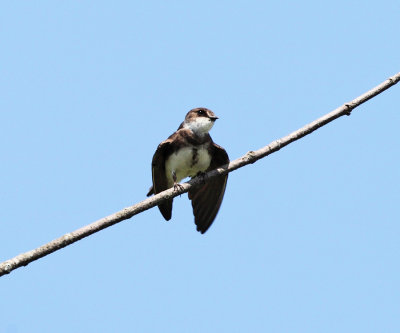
190, 152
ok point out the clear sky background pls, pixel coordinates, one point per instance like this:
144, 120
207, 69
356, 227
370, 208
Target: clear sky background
307, 239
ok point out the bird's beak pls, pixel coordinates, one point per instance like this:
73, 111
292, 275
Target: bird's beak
213, 118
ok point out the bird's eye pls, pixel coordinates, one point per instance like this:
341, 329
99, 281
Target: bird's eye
200, 112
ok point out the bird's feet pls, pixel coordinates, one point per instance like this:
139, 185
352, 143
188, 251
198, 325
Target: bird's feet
178, 187
202, 175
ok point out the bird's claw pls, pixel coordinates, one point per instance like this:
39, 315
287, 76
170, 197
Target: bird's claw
202, 175
178, 187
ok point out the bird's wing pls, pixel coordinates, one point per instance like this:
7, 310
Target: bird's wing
160, 182
207, 198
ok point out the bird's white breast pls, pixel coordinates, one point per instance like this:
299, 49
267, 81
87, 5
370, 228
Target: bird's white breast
187, 162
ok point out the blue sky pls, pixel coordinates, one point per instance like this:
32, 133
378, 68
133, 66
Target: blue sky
307, 239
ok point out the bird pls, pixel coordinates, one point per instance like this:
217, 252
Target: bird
190, 152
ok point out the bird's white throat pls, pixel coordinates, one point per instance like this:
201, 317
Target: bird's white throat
200, 125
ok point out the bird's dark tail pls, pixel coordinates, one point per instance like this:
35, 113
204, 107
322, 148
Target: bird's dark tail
151, 191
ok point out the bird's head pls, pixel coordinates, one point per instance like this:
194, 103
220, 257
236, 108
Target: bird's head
200, 120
